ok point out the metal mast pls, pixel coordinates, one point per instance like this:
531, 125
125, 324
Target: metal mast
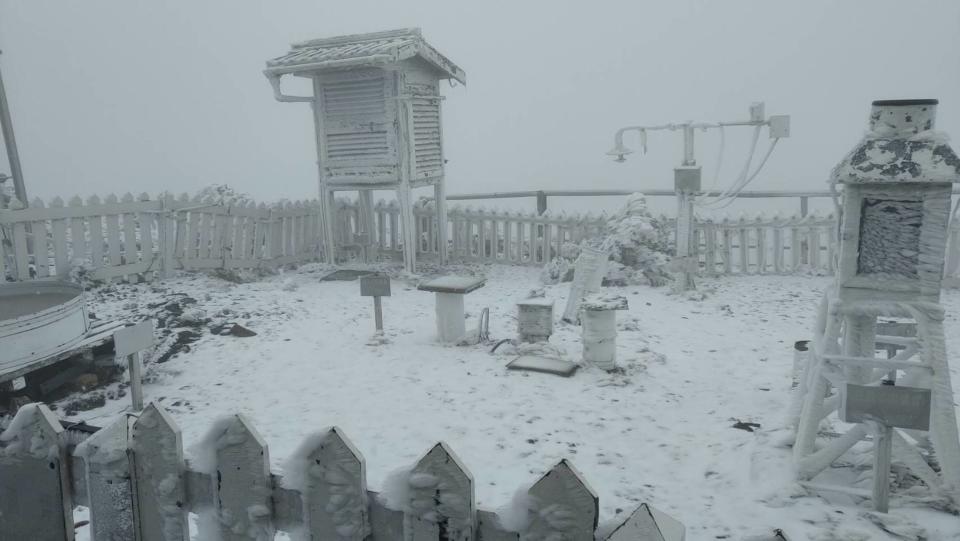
11, 143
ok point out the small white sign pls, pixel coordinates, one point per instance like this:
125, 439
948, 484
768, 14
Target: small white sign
130, 340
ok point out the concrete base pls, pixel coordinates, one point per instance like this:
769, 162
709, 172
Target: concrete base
451, 326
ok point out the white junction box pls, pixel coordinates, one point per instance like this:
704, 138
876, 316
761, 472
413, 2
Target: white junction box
779, 126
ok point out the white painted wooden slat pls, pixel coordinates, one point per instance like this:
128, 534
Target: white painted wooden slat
547, 235
233, 233
778, 250
761, 250
205, 230
97, 239
145, 228
795, 255
131, 244
831, 233
34, 472
563, 506
41, 248
217, 235
744, 252
814, 245
710, 248
249, 235
261, 247
58, 230
441, 498
242, 483
334, 489
78, 235
113, 235
109, 490
158, 466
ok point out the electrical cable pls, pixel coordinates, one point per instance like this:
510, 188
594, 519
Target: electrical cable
743, 173
726, 200
716, 172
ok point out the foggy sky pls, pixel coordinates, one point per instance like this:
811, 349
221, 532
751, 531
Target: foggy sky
137, 95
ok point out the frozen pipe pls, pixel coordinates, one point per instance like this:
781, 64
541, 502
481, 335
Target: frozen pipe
278, 93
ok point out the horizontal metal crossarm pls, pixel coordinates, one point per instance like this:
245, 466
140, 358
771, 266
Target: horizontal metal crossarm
904, 341
870, 362
861, 492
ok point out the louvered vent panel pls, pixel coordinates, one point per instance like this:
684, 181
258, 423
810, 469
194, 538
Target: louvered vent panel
355, 114
351, 98
426, 134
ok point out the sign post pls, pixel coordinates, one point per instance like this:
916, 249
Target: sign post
129, 342
885, 407
376, 286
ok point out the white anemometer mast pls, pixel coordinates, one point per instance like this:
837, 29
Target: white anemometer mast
687, 177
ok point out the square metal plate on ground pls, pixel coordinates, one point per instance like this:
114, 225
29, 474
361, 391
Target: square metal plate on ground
557, 367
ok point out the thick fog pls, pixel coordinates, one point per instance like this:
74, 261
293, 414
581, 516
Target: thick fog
123, 95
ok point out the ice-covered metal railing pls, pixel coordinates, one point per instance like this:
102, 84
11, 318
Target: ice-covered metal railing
138, 238
133, 478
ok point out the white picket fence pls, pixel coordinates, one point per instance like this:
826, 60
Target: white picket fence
139, 238
756, 245
132, 477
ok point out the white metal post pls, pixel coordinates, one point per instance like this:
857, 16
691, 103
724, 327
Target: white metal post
882, 448
378, 313
440, 200
366, 215
136, 380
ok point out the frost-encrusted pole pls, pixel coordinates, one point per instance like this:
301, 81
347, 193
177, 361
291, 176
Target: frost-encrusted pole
6, 124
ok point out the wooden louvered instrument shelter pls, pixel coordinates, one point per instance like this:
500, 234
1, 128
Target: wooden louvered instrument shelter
376, 102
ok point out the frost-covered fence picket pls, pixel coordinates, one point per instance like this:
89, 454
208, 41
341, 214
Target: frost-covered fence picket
133, 478
137, 238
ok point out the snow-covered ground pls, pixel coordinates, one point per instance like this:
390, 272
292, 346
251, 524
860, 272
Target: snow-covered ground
660, 432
